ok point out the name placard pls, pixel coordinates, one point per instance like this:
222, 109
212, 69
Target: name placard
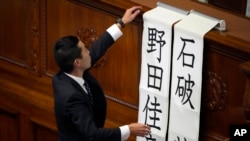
171, 72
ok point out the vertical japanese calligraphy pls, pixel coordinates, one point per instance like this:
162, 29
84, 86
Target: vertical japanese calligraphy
155, 37
171, 73
186, 81
155, 71
154, 107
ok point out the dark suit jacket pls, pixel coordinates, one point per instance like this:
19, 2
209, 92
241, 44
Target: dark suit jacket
77, 118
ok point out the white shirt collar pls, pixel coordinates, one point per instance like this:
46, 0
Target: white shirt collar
79, 80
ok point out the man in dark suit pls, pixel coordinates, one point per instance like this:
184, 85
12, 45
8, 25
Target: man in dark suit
80, 113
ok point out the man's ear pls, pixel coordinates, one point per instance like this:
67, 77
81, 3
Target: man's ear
76, 62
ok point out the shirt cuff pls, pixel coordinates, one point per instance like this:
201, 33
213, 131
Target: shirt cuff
125, 132
115, 32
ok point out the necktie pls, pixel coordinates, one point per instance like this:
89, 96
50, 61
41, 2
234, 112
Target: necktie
86, 85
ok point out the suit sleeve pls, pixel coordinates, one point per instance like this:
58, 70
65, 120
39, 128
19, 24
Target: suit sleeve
104, 42
100, 46
79, 112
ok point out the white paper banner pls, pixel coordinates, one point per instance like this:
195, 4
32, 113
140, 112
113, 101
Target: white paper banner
155, 71
184, 121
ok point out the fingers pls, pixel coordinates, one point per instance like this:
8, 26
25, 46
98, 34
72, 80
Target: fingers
139, 129
131, 13
135, 9
144, 132
135, 13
